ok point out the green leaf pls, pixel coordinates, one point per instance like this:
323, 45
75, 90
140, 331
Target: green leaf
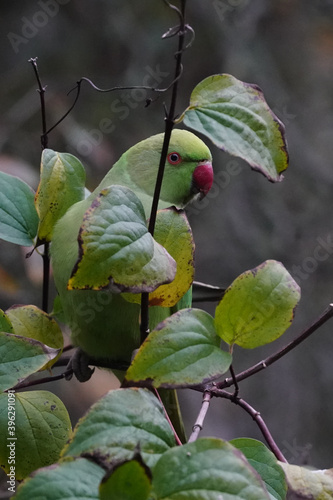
115, 248
237, 119
62, 179
20, 357
120, 422
183, 350
18, 216
42, 427
5, 323
174, 233
308, 484
130, 480
208, 469
29, 321
71, 479
258, 306
265, 463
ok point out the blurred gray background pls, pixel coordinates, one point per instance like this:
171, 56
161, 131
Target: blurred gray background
286, 47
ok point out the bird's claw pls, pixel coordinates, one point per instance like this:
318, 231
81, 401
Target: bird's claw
79, 365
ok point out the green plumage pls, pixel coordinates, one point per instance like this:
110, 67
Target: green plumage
102, 323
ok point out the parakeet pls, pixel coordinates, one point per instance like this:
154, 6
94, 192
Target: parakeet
103, 324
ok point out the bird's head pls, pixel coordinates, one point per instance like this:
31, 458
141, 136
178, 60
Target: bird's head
188, 169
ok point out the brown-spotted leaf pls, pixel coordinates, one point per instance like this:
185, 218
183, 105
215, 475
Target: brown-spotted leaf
62, 180
238, 120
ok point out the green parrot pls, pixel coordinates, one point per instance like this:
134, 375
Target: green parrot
103, 324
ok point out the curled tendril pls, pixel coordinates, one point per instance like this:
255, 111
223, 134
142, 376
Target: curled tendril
178, 11
179, 30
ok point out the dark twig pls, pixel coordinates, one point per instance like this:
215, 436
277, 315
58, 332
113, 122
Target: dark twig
44, 142
112, 89
78, 87
44, 380
46, 276
325, 316
99, 363
233, 376
63, 361
120, 87
68, 347
198, 426
202, 292
41, 90
179, 12
169, 124
256, 417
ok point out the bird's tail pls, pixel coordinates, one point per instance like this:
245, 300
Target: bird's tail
170, 401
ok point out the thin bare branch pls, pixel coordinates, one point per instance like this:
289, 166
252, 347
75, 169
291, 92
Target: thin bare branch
256, 417
78, 87
198, 426
169, 124
30, 383
44, 142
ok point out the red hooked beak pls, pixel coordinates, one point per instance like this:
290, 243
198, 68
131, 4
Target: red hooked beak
203, 178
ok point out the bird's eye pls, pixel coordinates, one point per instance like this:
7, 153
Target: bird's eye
174, 158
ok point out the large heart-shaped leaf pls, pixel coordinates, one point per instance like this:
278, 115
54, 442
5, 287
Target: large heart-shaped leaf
115, 248
236, 117
118, 423
183, 350
258, 306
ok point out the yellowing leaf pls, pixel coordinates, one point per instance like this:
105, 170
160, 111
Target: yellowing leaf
308, 484
62, 180
174, 233
21, 357
31, 322
5, 323
258, 306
